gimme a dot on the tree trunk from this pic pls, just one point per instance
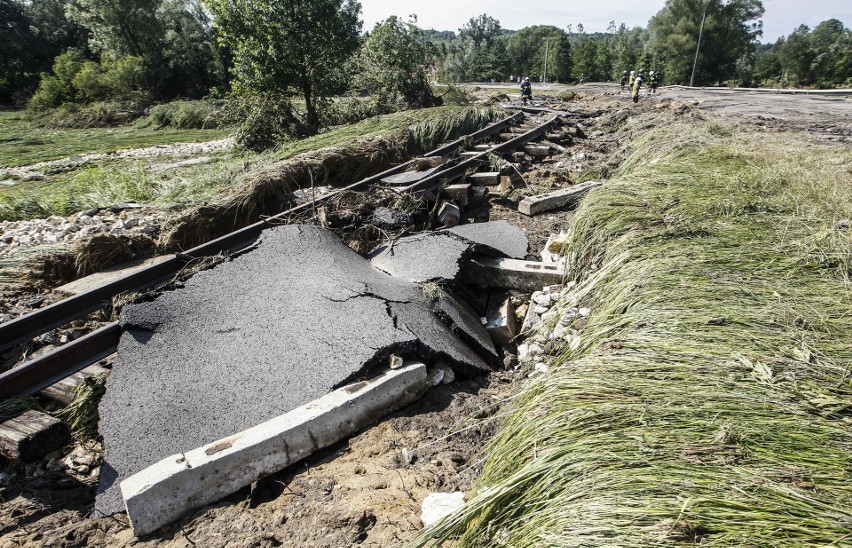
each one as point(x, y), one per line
point(313, 118)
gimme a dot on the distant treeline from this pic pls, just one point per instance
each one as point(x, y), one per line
point(730, 51)
point(55, 52)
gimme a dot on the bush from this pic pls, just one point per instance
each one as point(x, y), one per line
point(185, 115)
point(78, 80)
point(98, 114)
point(50, 93)
point(348, 110)
point(263, 121)
point(126, 77)
point(89, 83)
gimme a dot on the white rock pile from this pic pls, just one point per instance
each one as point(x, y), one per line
point(15, 235)
point(545, 322)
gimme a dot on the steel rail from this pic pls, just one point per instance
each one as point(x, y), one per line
point(35, 375)
point(38, 374)
point(67, 310)
point(433, 181)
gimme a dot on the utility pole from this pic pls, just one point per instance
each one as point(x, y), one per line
point(698, 47)
point(546, 54)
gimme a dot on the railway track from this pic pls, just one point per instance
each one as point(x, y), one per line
point(37, 374)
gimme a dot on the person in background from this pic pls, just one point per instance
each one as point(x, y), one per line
point(624, 78)
point(526, 89)
point(637, 85)
point(652, 82)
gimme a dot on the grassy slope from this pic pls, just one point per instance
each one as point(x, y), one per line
point(112, 181)
point(708, 398)
point(22, 144)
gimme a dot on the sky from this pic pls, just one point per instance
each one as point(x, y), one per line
point(780, 19)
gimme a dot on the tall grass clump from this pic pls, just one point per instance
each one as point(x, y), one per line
point(708, 399)
point(184, 115)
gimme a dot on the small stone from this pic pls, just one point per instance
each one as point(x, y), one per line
point(540, 310)
point(510, 361)
point(585, 311)
point(395, 362)
point(541, 299)
point(523, 350)
point(449, 374)
point(440, 505)
point(844, 224)
point(408, 456)
point(542, 367)
point(131, 223)
point(568, 317)
point(435, 376)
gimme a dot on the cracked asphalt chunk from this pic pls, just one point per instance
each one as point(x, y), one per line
point(499, 236)
point(439, 256)
point(255, 337)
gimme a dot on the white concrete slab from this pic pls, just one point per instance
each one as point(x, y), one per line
point(534, 205)
point(179, 484)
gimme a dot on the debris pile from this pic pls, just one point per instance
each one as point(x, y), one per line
point(270, 330)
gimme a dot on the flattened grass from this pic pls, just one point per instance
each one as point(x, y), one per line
point(22, 144)
point(709, 397)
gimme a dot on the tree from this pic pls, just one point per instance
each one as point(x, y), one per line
point(527, 49)
point(283, 45)
point(19, 49)
point(730, 30)
point(389, 66)
point(481, 53)
point(191, 60)
point(125, 27)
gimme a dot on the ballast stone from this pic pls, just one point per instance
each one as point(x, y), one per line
point(437, 506)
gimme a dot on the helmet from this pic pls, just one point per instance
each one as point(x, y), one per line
point(526, 78)
point(632, 72)
point(652, 73)
point(625, 72)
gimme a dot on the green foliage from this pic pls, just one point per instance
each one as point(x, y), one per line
point(279, 46)
point(184, 115)
point(821, 57)
point(263, 121)
point(729, 32)
point(479, 53)
point(527, 49)
point(389, 67)
point(79, 80)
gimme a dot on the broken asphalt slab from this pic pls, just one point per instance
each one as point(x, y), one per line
point(500, 236)
point(255, 337)
point(440, 255)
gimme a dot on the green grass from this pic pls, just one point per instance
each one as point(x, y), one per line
point(110, 182)
point(23, 144)
point(708, 399)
